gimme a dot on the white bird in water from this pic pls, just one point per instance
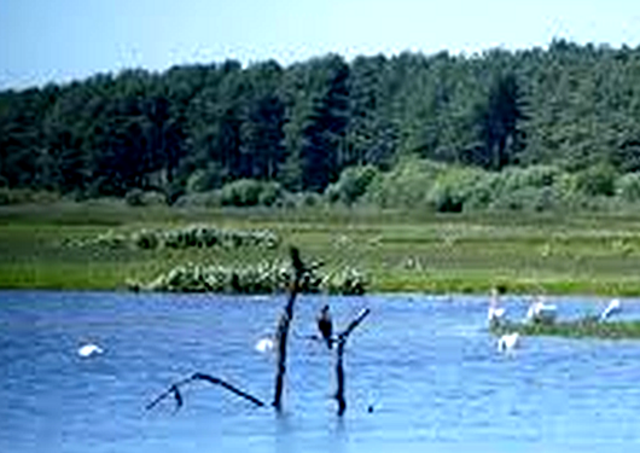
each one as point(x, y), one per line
point(539, 311)
point(613, 307)
point(89, 350)
point(265, 344)
point(495, 313)
point(508, 342)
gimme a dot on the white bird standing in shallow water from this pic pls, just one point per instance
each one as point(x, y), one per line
point(613, 307)
point(539, 311)
point(495, 313)
point(89, 350)
point(508, 342)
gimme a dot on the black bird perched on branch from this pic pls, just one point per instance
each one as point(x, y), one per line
point(325, 325)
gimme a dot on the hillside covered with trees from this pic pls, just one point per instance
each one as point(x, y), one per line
point(450, 131)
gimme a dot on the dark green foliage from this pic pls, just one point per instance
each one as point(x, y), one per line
point(146, 239)
point(134, 197)
point(199, 128)
point(498, 119)
point(628, 187)
point(352, 185)
point(597, 180)
point(249, 192)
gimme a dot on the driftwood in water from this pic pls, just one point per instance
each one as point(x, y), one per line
point(342, 341)
point(174, 390)
point(283, 327)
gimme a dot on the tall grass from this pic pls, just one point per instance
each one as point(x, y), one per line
point(398, 250)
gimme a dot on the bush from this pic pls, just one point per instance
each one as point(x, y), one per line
point(527, 199)
point(597, 180)
point(453, 188)
point(352, 184)
point(406, 185)
point(207, 179)
point(309, 199)
point(145, 239)
point(134, 197)
point(261, 278)
point(536, 176)
point(628, 187)
point(249, 192)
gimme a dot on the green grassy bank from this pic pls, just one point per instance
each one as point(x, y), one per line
point(399, 251)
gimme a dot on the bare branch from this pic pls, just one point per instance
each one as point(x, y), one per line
point(174, 390)
point(353, 324)
point(342, 341)
point(236, 390)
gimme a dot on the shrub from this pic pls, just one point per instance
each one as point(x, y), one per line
point(249, 192)
point(145, 239)
point(348, 282)
point(206, 179)
point(134, 197)
point(453, 188)
point(309, 199)
point(597, 180)
point(260, 278)
point(352, 184)
point(406, 185)
point(269, 194)
point(527, 199)
point(536, 176)
point(628, 187)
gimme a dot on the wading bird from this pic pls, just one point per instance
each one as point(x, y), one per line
point(539, 311)
point(508, 342)
point(613, 307)
point(495, 313)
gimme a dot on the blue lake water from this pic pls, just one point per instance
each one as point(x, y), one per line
point(426, 365)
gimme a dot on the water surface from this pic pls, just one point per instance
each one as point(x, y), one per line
point(425, 365)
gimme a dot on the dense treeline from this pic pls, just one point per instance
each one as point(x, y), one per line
point(221, 127)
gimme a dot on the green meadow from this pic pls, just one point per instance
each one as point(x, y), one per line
point(399, 251)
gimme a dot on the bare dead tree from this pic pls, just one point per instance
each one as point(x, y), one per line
point(284, 323)
point(281, 341)
point(282, 334)
point(342, 341)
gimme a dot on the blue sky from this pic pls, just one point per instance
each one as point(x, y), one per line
point(61, 40)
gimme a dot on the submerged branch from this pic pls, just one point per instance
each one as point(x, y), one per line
point(174, 390)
